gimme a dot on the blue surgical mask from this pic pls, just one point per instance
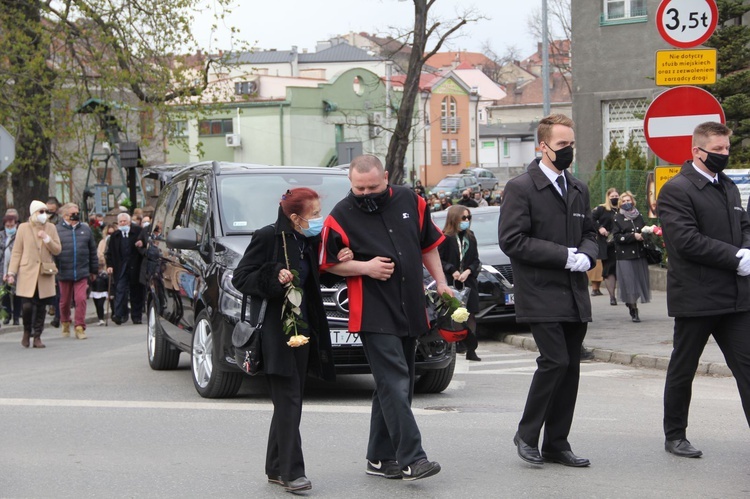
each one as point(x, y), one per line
point(10, 230)
point(464, 225)
point(315, 225)
point(124, 228)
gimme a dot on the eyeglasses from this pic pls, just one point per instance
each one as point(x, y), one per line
point(42, 212)
point(466, 217)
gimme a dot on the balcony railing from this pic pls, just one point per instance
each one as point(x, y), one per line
point(450, 124)
point(453, 158)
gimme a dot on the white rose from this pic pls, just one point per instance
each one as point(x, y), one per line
point(297, 340)
point(460, 315)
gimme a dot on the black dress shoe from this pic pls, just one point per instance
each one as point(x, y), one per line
point(137, 321)
point(566, 458)
point(276, 480)
point(55, 322)
point(116, 320)
point(472, 355)
point(298, 484)
point(682, 448)
point(613, 301)
point(526, 452)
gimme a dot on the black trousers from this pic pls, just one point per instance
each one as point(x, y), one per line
point(284, 453)
point(554, 387)
point(732, 334)
point(33, 312)
point(394, 434)
point(126, 287)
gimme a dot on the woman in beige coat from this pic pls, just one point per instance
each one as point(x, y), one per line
point(36, 243)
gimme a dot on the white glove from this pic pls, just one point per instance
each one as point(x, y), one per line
point(571, 258)
point(743, 268)
point(582, 264)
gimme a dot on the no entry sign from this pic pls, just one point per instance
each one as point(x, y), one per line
point(686, 23)
point(672, 117)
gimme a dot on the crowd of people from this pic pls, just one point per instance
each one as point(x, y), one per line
point(380, 236)
point(53, 262)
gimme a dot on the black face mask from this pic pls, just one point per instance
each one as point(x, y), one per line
point(563, 157)
point(75, 217)
point(465, 196)
point(371, 203)
point(714, 161)
point(614, 201)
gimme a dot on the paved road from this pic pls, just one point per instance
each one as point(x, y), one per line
point(90, 419)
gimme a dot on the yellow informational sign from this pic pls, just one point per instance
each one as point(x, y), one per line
point(685, 67)
point(656, 179)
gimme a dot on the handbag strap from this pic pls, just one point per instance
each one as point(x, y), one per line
point(262, 314)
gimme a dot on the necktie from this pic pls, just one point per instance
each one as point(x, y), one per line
point(561, 182)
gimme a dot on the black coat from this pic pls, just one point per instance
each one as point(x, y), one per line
point(536, 229)
point(118, 261)
point(257, 275)
point(77, 259)
point(603, 217)
point(703, 230)
point(450, 257)
point(627, 247)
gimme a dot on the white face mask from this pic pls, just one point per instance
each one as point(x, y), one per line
point(41, 218)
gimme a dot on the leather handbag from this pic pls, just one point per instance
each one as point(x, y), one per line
point(48, 268)
point(246, 340)
point(652, 252)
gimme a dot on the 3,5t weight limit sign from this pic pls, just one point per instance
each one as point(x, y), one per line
point(686, 23)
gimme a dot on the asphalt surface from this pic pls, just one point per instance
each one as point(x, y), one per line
point(612, 336)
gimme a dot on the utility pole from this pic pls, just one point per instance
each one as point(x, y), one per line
point(545, 60)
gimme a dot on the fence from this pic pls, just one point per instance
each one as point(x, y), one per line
point(639, 182)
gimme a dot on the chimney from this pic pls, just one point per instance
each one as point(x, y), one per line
point(295, 61)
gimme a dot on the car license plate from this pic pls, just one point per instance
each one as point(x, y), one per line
point(344, 337)
point(510, 299)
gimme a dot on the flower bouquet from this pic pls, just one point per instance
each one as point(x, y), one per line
point(448, 314)
point(291, 313)
point(653, 244)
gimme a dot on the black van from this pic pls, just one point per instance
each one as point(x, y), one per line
point(204, 219)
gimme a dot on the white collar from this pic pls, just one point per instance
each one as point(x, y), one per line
point(709, 177)
point(551, 174)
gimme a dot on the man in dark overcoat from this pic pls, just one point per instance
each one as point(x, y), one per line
point(547, 231)
point(707, 233)
point(124, 264)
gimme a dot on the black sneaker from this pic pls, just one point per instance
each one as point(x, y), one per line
point(386, 469)
point(420, 469)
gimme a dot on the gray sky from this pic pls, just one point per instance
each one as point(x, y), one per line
point(280, 24)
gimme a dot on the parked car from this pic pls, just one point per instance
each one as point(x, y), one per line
point(486, 178)
point(453, 185)
point(203, 221)
point(495, 280)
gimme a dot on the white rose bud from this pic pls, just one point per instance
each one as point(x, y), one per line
point(460, 315)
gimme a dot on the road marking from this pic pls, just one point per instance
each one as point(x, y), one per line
point(192, 406)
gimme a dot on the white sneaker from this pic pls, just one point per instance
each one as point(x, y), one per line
point(101, 323)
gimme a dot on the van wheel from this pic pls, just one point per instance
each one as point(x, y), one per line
point(437, 380)
point(162, 356)
point(210, 382)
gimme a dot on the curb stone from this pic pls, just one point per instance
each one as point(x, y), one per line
point(628, 359)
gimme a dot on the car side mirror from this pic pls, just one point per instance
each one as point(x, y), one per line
point(183, 238)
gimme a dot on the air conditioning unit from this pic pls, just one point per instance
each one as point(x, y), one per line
point(233, 140)
point(376, 118)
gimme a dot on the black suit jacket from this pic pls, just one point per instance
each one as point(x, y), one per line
point(703, 230)
point(118, 261)
point(536, 229)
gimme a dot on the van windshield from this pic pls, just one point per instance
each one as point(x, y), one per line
point(249, 202)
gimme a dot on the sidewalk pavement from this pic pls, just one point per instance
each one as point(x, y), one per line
point(613, 337)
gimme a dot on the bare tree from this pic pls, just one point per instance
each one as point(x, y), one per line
point(498, 71)
point(425, 29)
point(558, 31)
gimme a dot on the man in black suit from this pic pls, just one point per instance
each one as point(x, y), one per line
point(547, 231)
point(707, 233)
point(123, 264)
